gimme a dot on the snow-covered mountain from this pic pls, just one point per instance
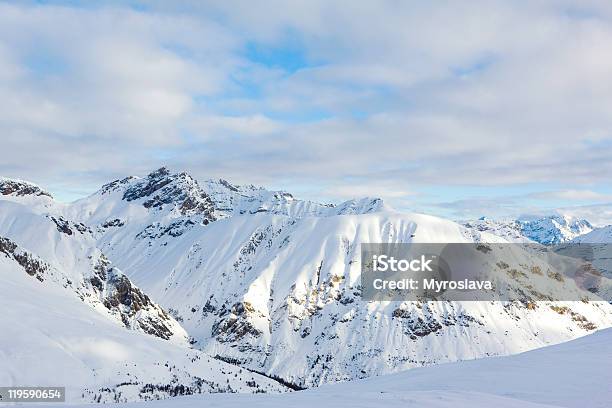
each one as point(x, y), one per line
point(509, 230)
point(62, 253)
point(70, 317)
point(563, 232)
point(20, 188)
point(240, 200)
point(172, 196)
point(49, 337)
point(554, 229)
point(601, 235)
point(272, 283)
point(548, 230)
point(599, 243)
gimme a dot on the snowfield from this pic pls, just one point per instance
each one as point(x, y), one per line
point(575, 374)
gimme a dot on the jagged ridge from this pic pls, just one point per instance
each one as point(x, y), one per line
point(19, 188)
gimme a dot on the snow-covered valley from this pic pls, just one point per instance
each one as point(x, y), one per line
point(575, 374)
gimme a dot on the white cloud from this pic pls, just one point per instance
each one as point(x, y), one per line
point(118, 75)
point(215, 126)
point(573, 195)
point(404, 95)
point(599, 215)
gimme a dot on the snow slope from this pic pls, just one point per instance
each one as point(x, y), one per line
point(601, 235)
point(66, 255)
point(599, 241)
point(574, 374)
point(69, 317)
point(51, 339)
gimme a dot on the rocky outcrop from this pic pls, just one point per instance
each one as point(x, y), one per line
point(235, 324)
point(116, 184)
point(19, 188)
point(180, 191)
point(66, 227)
point(103, 284)
point(32, 265)
point(128, 303)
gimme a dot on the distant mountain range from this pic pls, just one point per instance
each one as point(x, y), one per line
point(547, 230)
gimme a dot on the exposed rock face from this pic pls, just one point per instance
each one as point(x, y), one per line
point(153, 182)
point(174, 229)
point(116, 185)
point(103, 285)
point(121, 297)
point(66, 227)
point(129, 304)
point(32, 265)
point(236, 324)
point(161, 188)
point(113, 223)
point(20, 188)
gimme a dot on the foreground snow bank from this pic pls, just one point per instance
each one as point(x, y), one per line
point(574, 374)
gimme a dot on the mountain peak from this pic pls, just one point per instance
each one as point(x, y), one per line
point(20, 188)
point(161, 188)
point(555, 228)
point(161, 172)
point(180, 194)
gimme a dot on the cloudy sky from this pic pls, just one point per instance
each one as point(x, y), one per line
point(452, 108)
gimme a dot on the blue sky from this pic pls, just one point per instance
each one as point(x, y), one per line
point(461, 110)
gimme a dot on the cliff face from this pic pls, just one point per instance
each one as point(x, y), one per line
point(64, 253)
point(18, 188)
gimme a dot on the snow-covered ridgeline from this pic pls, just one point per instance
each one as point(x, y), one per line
point(270, 282)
